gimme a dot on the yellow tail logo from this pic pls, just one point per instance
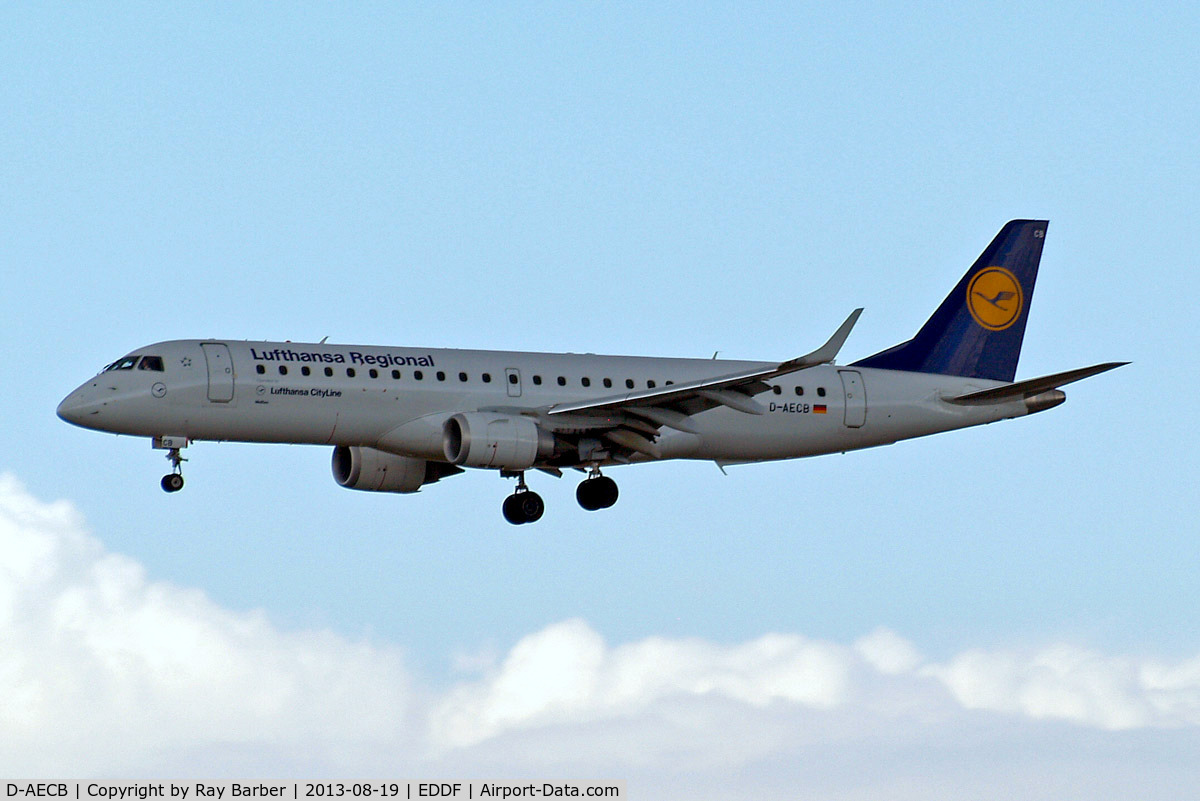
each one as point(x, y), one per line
point(994, 298)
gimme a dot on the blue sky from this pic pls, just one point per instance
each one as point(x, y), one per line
point(611, 178)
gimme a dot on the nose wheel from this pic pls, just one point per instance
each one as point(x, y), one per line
point(524, 505)
point(596, 491)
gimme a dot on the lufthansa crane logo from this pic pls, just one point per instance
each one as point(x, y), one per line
point(994, 298)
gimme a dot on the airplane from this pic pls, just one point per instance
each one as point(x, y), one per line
point(402, 418)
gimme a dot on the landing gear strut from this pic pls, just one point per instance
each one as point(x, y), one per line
point(173, 481)
point(524, 505)
point(596, 491)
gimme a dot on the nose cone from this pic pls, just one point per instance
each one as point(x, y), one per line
point(80, 409)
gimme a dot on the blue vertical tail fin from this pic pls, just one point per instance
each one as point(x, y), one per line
point(978, 329)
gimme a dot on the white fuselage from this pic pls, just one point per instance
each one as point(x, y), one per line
point(397, 400)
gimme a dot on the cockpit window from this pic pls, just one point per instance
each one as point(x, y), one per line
point(154, 363)
point(122, 364)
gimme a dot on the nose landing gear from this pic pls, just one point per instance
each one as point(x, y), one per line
point(524, 505)
point(173, 481)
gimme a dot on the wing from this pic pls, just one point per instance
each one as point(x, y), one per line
point(631, 420)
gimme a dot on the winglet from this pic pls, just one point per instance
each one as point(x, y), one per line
point(827, 352)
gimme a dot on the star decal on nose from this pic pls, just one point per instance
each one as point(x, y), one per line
point(186, 361)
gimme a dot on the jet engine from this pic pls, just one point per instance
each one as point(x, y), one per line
point(360, 468)
point(484, 439)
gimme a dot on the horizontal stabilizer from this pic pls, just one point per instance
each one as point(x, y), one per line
point(1032, 386)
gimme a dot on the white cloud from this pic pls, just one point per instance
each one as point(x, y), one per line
point(103, 670)
point(101, 667)
point(888, 652)
point(1076, 684)
point(566, 672)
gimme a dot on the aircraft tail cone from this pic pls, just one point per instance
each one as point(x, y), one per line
point(1045, 400)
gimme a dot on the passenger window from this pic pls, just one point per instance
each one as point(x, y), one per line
point(587, 382)
point(350, 372)
point(487, 378)
point(328, 372)
point(462, 376)
point(283, 369)
point(441, 376)
point(417, 374)
point(821, 391)
point(608, 383)
point(629, 383)
point(396, 375)
point(154, 363)
point(304, 370)
point(562, 382)
point(537, 379)
point(799, 390)
point(512, 378)
point(374, 373)
point(651, 384)
point(258, 368)
point(778, 390)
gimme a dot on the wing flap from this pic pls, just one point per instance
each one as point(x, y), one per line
point(665, 417)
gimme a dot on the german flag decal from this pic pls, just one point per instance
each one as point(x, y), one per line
point(819, 409)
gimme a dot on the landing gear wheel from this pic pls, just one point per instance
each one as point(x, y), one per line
point(172, 482)
point(596, 493)
point(607, 490)
point(587, 496)
point(512, 511)
point(523, 507)
point(532, 506)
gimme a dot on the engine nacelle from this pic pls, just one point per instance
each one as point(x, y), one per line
point(375, 471)
point(485, 439)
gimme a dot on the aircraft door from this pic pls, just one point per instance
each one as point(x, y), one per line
point(512, 379)
point(856, 398)
point(220, 371)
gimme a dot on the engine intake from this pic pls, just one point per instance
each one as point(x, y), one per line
point(484, 439)
point(360, 468)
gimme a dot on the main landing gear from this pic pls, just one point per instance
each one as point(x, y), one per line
point(173, 481)
point(524, 505)
point(596, 491)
